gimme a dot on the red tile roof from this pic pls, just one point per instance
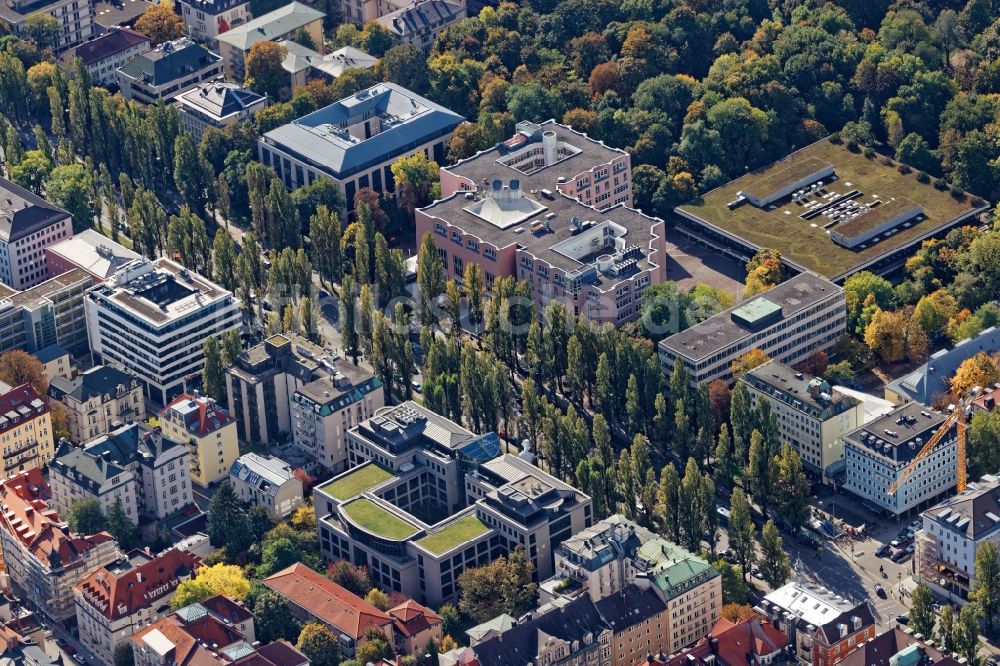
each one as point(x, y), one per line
point(25, 514)
point(325, 600)
point(731, 642)
point(209, 417)
point(410, 618)
point(149, 584)
point(16, 407)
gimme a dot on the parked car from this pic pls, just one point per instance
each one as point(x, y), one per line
point(417, 386)
point(879, 590)
point(882, 551)
point(755, 572)
point(723, 514)
point(899, 556)
point(903, 619)
point(936, 607)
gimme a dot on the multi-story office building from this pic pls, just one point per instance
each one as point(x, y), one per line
point(268, 482)
point(166, 70)
point(311, 597)
point(90, 251)
point(209, 433)
point(51, 313)
point(97, 399)
point(160, 466)
point(876, 455)
point(799, 317)
point(152, 318)
point(28, 224)
point(283, 23)
point(41, 557)
point(117, 600)
point(75, 475)
point(217, 104)
point(419, 24)
point(952, 530)
point(406, 514)
point(550, 206)
point(354, 141)
point(812, 416)
point(324, 410)
point(262, 383)
point(823, 626)
point(205, 20)
point(75, 17)
point(105, 54)
point(25, 430)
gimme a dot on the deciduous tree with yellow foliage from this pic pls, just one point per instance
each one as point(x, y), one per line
point(981, 370)
point(227, 579)
point(160, 23)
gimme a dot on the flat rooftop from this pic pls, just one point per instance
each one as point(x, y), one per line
point(373, 518)
point(357, 481)
point(95, 252)
point(159, 291)
point(453, 534)
point(41, 294)
point(899, 435)
point(794, 295)
point(805, 242)
point(805, 393)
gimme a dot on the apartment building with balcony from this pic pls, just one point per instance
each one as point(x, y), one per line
point(324, 410)
point(951, 532)
point(50, 313)
point(25, 430)
point(76, 475)
point(790, 322)
point(208, 432)
point(159, 465)
point(42, 559)
point(812, 416)
point(119, 599)
point(262, 380)
point(426, 498)
point(97, 400)
point(151, 319)
point(420, 22)
point(876, 455)
point(217, 104)
point(822, 626)
point(550, 206)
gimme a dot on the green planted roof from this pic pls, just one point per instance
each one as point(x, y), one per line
point(454, 534)
point(373, 518)
point(354, 483)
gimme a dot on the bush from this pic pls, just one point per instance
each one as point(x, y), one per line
point(886, 161)
point(923, 177)
point(977, 201)
point(868, 152)
point(903, 169)
point(956, 193)
point(852, 146)
point(835, 139)
point(941, 183)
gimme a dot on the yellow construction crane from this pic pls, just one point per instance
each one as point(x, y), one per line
point(957, 419)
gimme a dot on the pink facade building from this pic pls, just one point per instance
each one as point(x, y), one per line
point(550, 206)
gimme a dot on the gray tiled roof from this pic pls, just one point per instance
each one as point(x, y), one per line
point(272, 25)
point(421, 17)
point(169, 61)
point(219, 99)
point(98, 380)
point(85, 468)
point(23, 213)
point(408, 120)
point(931, 379)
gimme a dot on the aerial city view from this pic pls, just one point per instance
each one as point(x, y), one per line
point(500, 332)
